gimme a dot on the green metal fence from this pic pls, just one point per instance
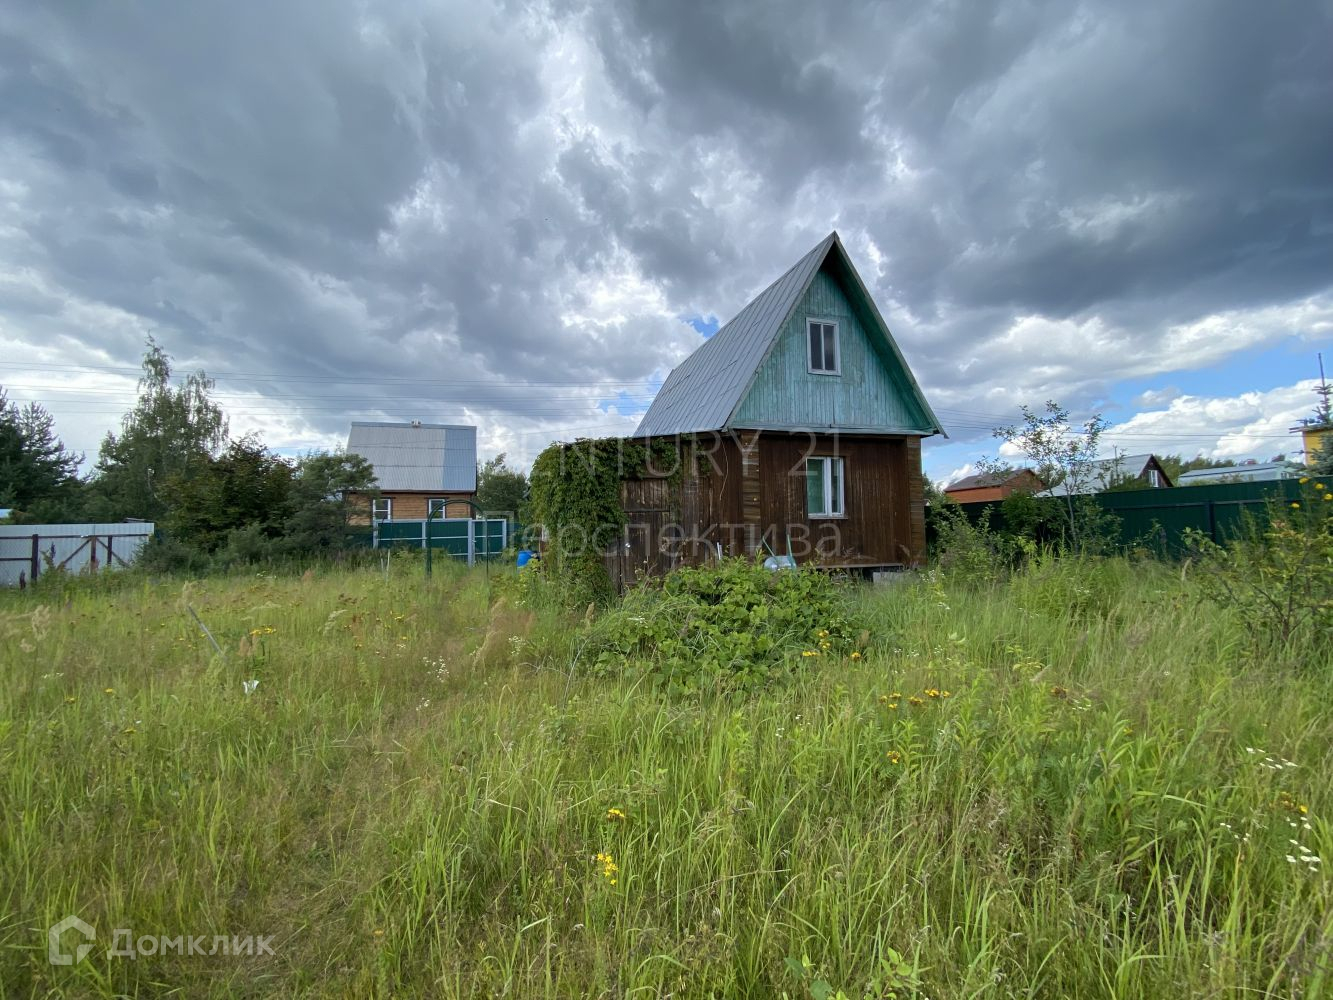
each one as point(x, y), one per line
point(463, 538)
point(1157, 518)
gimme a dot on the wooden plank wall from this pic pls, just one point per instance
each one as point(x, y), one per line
point(916, 502)
point(735, 491)
point(878, 527)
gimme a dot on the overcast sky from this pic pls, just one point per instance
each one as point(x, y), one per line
point(523, 215)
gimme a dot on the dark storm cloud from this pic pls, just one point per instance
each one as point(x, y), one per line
point(532, 193)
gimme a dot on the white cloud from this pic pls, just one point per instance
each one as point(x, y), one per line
point(963, 471)
point(1252, 425)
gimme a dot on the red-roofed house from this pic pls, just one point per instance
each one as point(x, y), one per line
point(994, 486)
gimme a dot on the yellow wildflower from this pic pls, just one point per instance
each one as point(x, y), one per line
point(822, 633)
point(1295, 506)
point(894, 757)
point(856, 655)
point(809, 652)
point(932, 692)
point(615, 815)
point(945, 694)
point(914, 700)
point(1303, 480)
point(109, 691)
point(608, 865)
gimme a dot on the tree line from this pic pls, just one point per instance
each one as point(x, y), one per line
point(172, 462)
point(216, 499)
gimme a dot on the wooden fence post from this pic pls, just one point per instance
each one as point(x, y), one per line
point(36, 556)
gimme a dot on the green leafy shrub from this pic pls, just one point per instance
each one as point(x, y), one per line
point(575, 495)
point(972, 551)
point(1277, 575)
point(733, 625)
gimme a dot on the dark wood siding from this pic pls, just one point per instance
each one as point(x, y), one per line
point(877, 526)
point(741, 490)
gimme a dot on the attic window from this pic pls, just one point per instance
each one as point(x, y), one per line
point(823, 340)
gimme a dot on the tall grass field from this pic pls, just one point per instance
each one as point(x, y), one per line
point(1080, 781)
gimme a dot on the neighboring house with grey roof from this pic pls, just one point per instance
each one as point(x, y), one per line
point(1119, 472)
point(1251, 472)
point(798, 419)
point(421, 469)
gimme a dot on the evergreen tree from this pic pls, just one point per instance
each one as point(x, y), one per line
point(38, 475)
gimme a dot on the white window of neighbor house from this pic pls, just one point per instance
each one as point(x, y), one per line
point(1154, 480)
point(822, 335)
point(824, 487)
point(382, 509)
point(437, 507)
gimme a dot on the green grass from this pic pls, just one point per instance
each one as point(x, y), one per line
point(411, 800)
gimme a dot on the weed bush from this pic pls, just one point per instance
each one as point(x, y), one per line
point(734, 625)
point(1277, 576)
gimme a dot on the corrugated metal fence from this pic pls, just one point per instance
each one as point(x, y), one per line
point(28, 550)
point(1157, 519)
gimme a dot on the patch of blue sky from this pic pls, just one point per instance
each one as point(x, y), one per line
point(627, 404)
point(705, 325)
point(1257, 370)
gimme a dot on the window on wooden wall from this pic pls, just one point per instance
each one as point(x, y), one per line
point(824, 478)
point(823, 339)
point(382, 509)
point(437, 507)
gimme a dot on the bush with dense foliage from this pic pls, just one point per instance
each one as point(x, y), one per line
point(574, 493)
point(1277, 576)
point(733, 625)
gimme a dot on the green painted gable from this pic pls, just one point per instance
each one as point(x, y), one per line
point(873, 394)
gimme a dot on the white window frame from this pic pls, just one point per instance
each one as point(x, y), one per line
point(437, 503)
point(1154, 479)
point(810, 323)
point(829, 509)
point(387, 503)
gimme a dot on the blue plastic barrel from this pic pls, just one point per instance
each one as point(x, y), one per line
point(525, 556)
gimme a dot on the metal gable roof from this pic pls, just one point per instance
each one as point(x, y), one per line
point(1103, 473)
point(418, 457)
point(705, 390)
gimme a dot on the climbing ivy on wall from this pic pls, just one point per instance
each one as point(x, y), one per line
point(575, 493)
